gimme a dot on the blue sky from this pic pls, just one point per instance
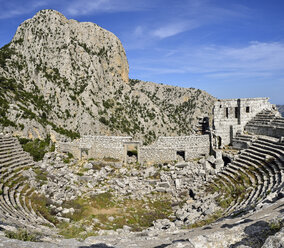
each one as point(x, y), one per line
point(230, 48)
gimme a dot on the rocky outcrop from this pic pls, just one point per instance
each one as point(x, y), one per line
point(60, 76)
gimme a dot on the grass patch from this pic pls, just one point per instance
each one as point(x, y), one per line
point(41, 204)
point(103, 200)
point(138, 214)
point(22, 234)
point(41, 175)
point(70, 231)
point(109, 159)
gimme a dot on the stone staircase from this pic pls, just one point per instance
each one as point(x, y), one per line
point(256, 172)
point(15, 206)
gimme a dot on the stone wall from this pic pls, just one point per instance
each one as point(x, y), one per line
point(153, 155)
point(96, 147)
point(107, 146)
point(231, 115)
point(165, 148)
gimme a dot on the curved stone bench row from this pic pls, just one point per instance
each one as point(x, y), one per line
point(15, 206)
point(259, 169)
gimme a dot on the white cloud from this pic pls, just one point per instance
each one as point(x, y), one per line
point(257, 59)
point(174, 29)
point(85, 7)
point(11, 9)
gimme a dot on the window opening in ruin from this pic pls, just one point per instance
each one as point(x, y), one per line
point(247, 109)
point(219, 142)
point(132, 153)
point(227, 112)
point(220, 106)
point(236, 112)
point(181, 154)
point(205, 125)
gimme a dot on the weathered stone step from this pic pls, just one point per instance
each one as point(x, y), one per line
point(250, 161)
point(10, 154)
point(252, 177)
point(13, 211)
point(14, 199)
point(16, 160)
point(271, 140)
point(258, 174)
point(267, 150)
point(267, 176)
point(17, 195)
point(17, 165)
point(5, 152)
point(4, 146)
point(253, 159)
point(271, 166)
point(10, 160)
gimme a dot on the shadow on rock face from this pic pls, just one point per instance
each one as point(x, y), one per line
point(97, 246)
point(177, 243)
point(236, 224)
point(256, 233)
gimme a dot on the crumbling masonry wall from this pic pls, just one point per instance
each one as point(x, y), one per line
point(108, 147)
point(96, 147)
point(231, 116)
point(165, 148)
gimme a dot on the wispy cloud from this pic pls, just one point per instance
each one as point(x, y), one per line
point(182, 17)
point(257, 59)
point(12, 9)
point(85, 7)
point(172, 29)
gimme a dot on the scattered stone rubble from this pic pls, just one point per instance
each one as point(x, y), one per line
point(182, 181)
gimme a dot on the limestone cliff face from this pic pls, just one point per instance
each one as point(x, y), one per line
point(76, 49)
point(58, 75)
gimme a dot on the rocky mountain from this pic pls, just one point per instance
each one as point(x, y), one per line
point(281, 109)
point(63, 77)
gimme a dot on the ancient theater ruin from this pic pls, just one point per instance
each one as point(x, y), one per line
point(232, 117)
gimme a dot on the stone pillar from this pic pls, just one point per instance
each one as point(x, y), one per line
point(219, 163)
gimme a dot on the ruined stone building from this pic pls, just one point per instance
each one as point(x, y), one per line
point(231, 117)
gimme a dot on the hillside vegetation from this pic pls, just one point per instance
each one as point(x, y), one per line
point(65, 78)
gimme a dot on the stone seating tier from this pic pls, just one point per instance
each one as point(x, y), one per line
point(14, 206)
point(260, 168)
